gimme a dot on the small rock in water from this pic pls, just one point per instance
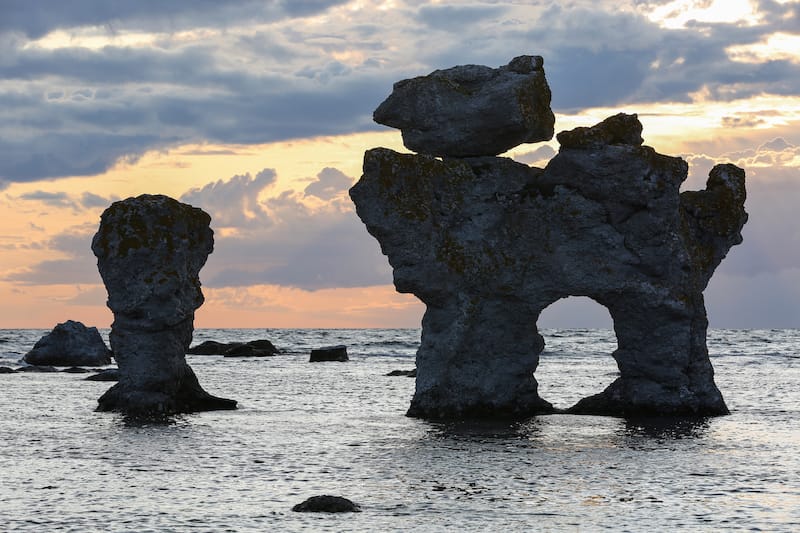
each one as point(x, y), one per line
point(329, 353)
point(6, 370)
point(407, 373)
point(327, 504)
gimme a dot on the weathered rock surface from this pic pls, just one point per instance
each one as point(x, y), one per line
point(329, 353)
point(70, 344)
point(327, 504)
point(472, 110)
point(149, 251)
point(488, 243)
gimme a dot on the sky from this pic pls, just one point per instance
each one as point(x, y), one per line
point(259, 112)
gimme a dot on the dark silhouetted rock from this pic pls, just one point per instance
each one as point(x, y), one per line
point(150, 250)
point(248, 350)
point(488, 243)
point(406, 373)
point(327, 504)
point(212, 348)
point(70, 344)
point(6, 370)
point(256, 348)
point(329, 353)
point(471, 110)
point(109, 374)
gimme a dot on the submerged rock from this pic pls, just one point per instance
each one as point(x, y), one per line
point(488, 243)
point(70, 344)
point(472, 110)
point(327, 504)
point(149, 251)
point(329, 353)
point(406, 373)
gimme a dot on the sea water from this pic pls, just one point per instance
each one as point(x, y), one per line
point(305, 429)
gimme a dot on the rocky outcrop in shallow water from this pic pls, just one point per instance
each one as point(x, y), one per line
point(487, 243)
point(70, 343)
point(150, 250)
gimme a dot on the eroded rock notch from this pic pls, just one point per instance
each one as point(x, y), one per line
point(487, 243)
point(150, 250)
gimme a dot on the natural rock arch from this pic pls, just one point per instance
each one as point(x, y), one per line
point(487, 243)
point(577, 361)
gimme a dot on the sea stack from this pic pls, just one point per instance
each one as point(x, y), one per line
point(150, 250)
point(487, 243)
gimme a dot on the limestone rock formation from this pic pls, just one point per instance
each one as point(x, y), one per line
point(70, 343)
point(472, 110)
point(487, 243)
point(149, 251)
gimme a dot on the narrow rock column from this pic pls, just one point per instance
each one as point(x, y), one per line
point(149, 251)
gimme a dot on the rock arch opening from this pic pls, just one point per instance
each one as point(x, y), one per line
point(579, 341)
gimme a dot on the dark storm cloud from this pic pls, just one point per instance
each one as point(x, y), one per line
point(73, 111)
point(456, 18)
point(37, 18)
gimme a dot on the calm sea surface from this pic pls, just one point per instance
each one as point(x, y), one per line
point(304, 429)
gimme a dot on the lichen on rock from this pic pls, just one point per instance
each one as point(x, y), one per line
point(150, 250)
point(487, 243)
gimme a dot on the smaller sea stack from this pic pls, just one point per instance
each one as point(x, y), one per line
point(149, 251)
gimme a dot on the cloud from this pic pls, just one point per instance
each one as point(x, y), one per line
point(55, 199)
point(330, 183)
point(276, 238)
point(541, 154)
point(76, 266)
point(234, 203)
point(118, 82)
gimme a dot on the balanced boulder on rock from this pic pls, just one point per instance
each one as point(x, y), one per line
point(150, 250)
point(472, 110)
point(70, 344)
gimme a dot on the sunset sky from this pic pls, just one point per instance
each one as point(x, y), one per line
point(260, 111)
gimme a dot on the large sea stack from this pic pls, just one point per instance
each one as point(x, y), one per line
point(149, 251)
point(487, 243)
